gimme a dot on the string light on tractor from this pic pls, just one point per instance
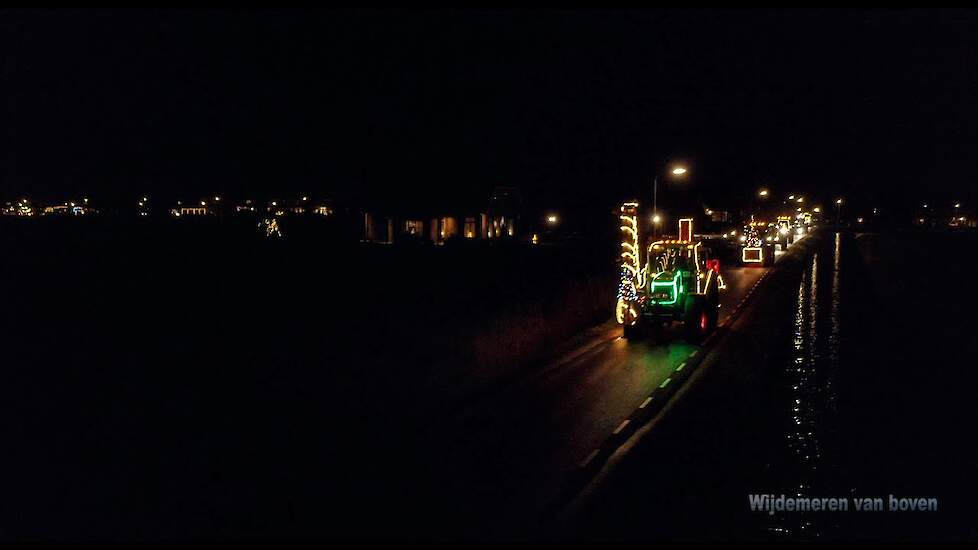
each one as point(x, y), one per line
point(631, 274)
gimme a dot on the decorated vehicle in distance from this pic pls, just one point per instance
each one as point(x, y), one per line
point(678, 281)
point(756, 245)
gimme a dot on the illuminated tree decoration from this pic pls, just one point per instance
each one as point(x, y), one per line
point(752, 236)
point(270, 225)
point(632, 274)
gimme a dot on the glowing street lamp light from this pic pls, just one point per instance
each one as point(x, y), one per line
point(676, 171)
point(838, 211)
point(656, 219)
point(552, 219)
point(762, 193)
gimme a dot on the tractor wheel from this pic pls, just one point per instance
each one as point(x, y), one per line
point(700, 321)
point(635, 331)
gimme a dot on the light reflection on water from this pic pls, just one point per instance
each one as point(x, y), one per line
point(809, 377)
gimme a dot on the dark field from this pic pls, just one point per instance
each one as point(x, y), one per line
point(178, 381)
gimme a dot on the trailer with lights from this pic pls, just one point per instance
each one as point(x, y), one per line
point(678, 281)
point(756, 245)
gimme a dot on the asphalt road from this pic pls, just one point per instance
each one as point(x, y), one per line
point(511, 450)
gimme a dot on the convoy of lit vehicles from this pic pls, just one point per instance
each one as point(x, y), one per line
point(760, 240)
point(679, 279)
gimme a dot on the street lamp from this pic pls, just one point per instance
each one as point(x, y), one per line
point(761, 195)
point(838, 211)
point(552, 219)
point(676, 171)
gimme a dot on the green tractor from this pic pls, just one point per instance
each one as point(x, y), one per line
point(679, 281)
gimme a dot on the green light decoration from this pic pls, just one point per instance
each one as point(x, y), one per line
point(675, 284)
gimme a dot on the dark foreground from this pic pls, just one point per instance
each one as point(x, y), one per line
point(851, 375)
point(197, 386)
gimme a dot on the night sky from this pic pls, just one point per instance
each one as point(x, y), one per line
point(431, 109)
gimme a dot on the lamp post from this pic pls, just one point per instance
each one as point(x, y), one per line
point(838, 211)
point(676, 171)
point(761, 195)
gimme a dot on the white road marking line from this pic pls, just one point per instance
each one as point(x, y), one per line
point(621, 427)
point(646, 402)
point(680, 367)
point(665, 383)
point(589, 458)
point(695, 351)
